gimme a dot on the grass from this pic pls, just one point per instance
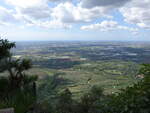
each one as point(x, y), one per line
point(110, 75)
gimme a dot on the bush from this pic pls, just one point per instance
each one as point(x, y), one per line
point(134, 99)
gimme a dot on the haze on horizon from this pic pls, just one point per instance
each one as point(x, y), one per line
point(123, 20)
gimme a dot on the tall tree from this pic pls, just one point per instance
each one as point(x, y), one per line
point(5, 53)
point(15, 67)
point(5, 47)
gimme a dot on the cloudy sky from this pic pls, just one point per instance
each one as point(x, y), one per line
point(75, 19)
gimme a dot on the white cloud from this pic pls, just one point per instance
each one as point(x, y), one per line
point(109, 26)
point(50, 24)
point(144, 25)
point(103, 26)
point(36, 9)
point(33, 12)
point(59, 0)
point(26, 3)
point(64, 14)
point(6, 16)
point(134, 31)
point(39, 13)
point(69, 13)
point(137, 12)
point(102, 3)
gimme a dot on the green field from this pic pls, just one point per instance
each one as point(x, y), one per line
point(110, 75)
point(79, 66)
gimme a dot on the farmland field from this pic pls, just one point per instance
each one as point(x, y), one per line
point(81, 65)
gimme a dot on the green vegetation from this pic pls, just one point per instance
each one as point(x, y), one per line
point(16, 89)
point(75, 77)
point(112, 76)
point(133, 99)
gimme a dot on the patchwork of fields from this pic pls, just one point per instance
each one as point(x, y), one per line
point(81, 65)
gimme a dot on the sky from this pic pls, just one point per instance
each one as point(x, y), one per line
point(119, 20)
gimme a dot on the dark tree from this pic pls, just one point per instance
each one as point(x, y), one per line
point(15, 67)
point(64, 104)
point(5, 53)
point(5, 47)
point(136, 98)
point(90, 101)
